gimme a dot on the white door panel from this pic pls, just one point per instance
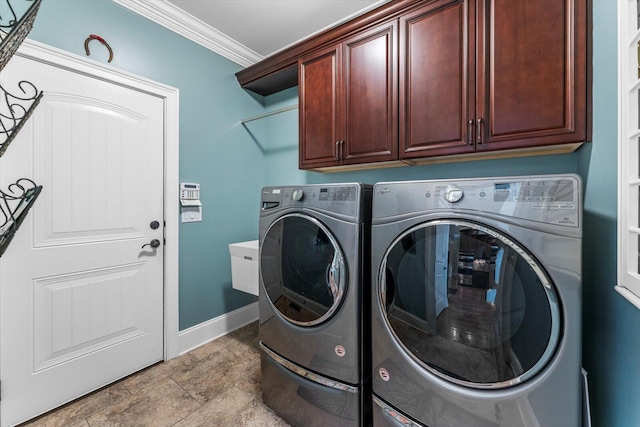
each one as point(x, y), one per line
point(81, 302)
point(86, 204)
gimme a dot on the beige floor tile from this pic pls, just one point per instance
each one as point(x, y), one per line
point(222, 410)
point(75, 412)
point(247, 336)
point(56, 423)
point(212, 375)
point(164, 404)
point(211, 347)
point(258, 415)
point(147, 377)
point(233, 407)
point(251, 383)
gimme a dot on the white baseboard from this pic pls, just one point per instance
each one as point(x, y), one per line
point(208, 331)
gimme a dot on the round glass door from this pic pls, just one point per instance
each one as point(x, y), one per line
point(302, 269)
point(469, 304)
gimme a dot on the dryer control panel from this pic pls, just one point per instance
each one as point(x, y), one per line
point(549, 199)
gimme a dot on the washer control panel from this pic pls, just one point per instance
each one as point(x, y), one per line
point(338, 198)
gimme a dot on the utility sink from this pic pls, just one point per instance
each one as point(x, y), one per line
point(244, 266)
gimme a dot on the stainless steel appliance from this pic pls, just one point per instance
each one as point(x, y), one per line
point(476, 307)
point(314, 324)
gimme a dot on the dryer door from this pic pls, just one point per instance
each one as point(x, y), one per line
point(469, 304)
point(302, 269)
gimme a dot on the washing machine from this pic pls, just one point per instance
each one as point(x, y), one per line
point(314, 323)
point(476, 306)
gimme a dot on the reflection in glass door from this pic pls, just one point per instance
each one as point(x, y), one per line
point(469, 304)
point(303, 269)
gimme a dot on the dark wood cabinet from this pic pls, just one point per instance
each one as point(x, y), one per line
point(321, 123)
point(425, 81)
point(437, 63)
point(533, 78)
point(349, 101)
point(493, 75)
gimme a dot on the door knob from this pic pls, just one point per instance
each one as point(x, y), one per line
point(154, 244)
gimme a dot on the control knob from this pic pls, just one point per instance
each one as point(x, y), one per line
point(453, 194)
point(297, 195)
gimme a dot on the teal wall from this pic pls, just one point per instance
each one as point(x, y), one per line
point(233, 162)
point(215, 149)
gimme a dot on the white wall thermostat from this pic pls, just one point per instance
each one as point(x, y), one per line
point(190, 202)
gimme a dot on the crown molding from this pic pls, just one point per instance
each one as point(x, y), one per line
point(175, 19)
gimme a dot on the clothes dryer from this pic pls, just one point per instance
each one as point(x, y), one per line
point(314, 326)
point(476, 307)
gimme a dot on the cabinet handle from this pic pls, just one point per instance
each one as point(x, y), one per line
point(479, 131)
point(339, 150)
point(470, 132)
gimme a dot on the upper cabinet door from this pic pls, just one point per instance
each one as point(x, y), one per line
point(532, 87)
point(437, 76)
point(349, 101)
point(320, 109)
point(371, 96)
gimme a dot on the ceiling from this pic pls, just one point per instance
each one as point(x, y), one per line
point(267, 26)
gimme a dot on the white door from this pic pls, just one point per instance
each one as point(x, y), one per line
point(81, 302)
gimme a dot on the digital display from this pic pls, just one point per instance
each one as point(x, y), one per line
point(338, 194)
point(534, 191)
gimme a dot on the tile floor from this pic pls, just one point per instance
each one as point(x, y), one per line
point(217, 384)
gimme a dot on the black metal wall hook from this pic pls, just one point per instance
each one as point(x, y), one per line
point(101, 40)
point(14, 206)
point(13, 30)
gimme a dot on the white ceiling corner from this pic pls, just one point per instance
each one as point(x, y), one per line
point(246, 31)
point(175, 19)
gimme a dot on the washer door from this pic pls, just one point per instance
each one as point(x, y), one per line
point(469, 304)
point(303, 269)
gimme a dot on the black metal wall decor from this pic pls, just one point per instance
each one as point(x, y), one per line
point(14, 205)
point(13, 30)
point(15, 110)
